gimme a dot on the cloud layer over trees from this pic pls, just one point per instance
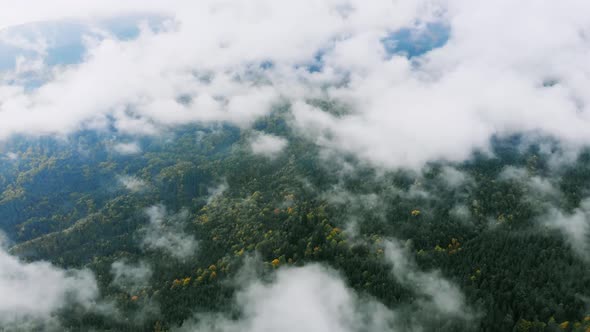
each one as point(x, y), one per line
point(231, 62)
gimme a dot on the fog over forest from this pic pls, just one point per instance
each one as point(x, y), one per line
point(336, 165)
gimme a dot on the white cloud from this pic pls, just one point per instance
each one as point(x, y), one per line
point(537, 187)
point(546, 197)
point(437, 295)
point(134, 278)
point(132, 183)
point(25, 11)
point(130, 277)
point(310, 298)
point(11, 156)
point(315, 298)
point(528, 74)
point(513, 173)
point(358, 206)
point(166, 233)
point(127, 148)
point(484, 81)
point(461, 212)
point(217, 191)
point(574, 226)
point(268, 145)
point(453, 177)
point(32, 293)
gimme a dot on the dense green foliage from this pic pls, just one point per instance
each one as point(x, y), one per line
point(62, 201)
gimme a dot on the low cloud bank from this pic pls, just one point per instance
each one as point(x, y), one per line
point(33, 293)
point(267, 145)
point(166, 233)
point(315, 298)
point(402, 110)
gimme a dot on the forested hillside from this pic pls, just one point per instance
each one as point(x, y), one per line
point(174, 233)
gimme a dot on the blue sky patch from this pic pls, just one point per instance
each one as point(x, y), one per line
point(416, 41)
point(65, 39)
